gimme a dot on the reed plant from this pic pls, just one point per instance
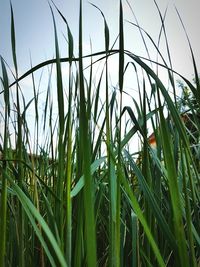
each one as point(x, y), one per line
point(89, 195)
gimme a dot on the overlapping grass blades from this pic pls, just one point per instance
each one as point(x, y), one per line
point(84, 197)
point(3, 207)
point(85, 143)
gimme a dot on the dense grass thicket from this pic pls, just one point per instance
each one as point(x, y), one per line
point(86, 195)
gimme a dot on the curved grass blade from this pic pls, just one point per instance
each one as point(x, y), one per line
point(33, 214)
point(133, 201)
point(152, 202)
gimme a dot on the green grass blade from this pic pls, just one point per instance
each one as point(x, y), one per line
point(4, 169)
point(174, 192)
point(121, 48)
point(61, 148)
point(139, 213)
point(152, 202)
point(134, 233)
point(32, 211)
point(90, 236)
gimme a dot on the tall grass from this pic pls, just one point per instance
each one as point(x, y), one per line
point(85, 197)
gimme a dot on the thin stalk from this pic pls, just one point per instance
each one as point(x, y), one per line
point(19, 144)
point(119, 165)
point(68, 177)
point(61, 149)
point(187, 208)
point(3, 204)
point(173, 189)
point(88, 192)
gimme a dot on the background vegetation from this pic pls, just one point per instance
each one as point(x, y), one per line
point(88, 196)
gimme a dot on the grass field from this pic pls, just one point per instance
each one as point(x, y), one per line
point(89, 195)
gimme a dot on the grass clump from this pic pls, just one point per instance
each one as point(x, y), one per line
point(86, 196)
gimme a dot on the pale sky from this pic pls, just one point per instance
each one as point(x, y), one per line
point(34, 28)
point(35, 33)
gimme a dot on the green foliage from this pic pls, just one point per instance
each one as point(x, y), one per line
point(84, 197)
